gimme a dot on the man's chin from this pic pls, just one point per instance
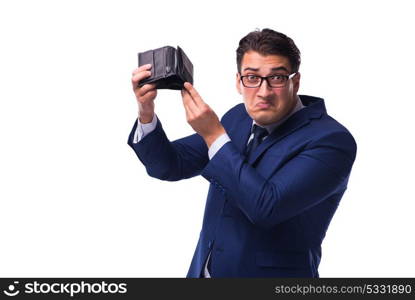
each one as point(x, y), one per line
point(264, 117)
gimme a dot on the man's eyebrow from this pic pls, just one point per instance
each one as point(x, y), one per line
point(280, 68)
point(251, 69)
point(273, 69)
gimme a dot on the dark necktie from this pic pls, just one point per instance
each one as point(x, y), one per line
point(259, 134)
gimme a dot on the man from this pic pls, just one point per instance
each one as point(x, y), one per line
point(278, 165)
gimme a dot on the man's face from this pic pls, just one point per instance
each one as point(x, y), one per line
point(265, 104)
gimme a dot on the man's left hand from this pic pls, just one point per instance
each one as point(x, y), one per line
point(200, 116)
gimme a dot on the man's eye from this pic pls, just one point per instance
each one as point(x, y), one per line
point(277, 78)
point(252, 78)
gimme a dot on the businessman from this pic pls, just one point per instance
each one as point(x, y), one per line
point(277, 164)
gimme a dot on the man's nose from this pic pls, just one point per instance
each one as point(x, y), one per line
point(264, 89)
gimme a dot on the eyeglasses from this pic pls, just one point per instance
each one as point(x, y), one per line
point(274, 81)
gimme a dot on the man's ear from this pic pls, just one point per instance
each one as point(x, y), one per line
point(296, 82)
point(238, 83)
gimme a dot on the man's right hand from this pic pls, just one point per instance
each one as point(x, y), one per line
point(145, 95)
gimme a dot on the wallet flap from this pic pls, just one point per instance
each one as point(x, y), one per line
point(185, 65)
point(159, 67)
point(145, 58)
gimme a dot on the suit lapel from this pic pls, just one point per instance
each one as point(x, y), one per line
point(241, 133)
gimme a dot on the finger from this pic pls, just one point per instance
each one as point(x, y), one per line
point(149, 96)
point(190, 101)
point(187, 111)
point(195, 95)
point(141, 68)
point(186, 108)
point(138, 77)
point(135, 71)
point(189, 105)
point(145, 89)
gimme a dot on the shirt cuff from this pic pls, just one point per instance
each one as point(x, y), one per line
point(217, 144)
point(144, 129)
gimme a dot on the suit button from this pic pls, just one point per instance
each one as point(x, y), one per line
point(210, 244)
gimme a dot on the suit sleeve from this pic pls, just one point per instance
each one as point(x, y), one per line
point(171, 161)
point(312, 176)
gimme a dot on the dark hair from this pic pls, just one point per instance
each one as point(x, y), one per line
point(269, 42)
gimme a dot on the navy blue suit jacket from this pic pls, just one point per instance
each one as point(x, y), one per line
point(265, 217)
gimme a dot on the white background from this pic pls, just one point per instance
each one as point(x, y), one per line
point(76, 201)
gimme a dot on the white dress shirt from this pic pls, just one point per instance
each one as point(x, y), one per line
point(144, 129)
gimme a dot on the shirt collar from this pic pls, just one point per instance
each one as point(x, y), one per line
point(271, 127)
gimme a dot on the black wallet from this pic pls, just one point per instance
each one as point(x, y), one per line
point(170, 69)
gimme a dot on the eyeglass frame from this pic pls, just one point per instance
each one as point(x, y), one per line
point(266, 79)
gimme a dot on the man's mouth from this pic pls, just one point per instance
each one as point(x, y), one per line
point(263, 105)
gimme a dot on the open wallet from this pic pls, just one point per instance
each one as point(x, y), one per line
point(170, 69)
